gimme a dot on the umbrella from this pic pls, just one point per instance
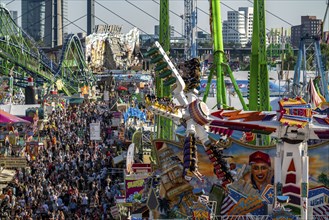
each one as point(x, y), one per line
point(6, 118)
point(122, 88)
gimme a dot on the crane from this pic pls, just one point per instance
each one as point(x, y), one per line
point(190, 28)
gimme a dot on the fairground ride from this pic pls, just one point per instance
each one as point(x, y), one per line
point(293, 125)
point(20, 53)
point(310, 79)
point(258, 78)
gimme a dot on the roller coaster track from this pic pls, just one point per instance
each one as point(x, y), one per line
point(20, 52)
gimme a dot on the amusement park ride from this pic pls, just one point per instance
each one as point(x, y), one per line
point(293, 125)
point(19, 51)
point(177, 100)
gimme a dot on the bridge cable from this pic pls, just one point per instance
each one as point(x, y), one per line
point(223, 23)
point(100, 19)
point(10, 2)
point(28, 11)
point(182, 19)
point(70, 22)
point(150, 15)
point(278, 17)
point(122, 18)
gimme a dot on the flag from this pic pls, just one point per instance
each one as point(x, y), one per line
point(228, 203)
point(321, 211)
point(315, 98)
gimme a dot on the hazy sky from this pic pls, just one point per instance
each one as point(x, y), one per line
point(128, 13)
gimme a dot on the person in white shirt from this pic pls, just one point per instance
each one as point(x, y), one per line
point(84, 200)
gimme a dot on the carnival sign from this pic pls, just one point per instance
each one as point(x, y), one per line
point(95, 132)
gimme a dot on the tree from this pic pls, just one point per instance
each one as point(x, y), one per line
point(323, 178)
point(164, 207)
point(290, 61)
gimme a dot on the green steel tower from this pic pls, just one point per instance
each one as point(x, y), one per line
point(164, 126)
point(259, 99)
point(216, 31)
point(219, 65)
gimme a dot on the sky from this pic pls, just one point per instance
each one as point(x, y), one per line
point(144, 14)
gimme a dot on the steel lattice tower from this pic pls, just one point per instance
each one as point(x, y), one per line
point(190, 28)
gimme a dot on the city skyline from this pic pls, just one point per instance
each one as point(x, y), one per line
point(124, 12)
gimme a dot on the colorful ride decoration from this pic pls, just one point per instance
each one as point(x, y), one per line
point(292, 126)
point(295, 112)
point(192, 112)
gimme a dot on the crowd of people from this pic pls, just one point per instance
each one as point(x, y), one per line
point(70, 176)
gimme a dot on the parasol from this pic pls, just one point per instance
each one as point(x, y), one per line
point(122, 88)
point(6, 118)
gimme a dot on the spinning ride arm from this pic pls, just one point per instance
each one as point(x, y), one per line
point(191, 112)
point(167, 72)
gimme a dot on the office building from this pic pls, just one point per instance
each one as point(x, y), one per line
point(33, 18)
point(310, 26)
point(248, 20)
point(236, 27)
point(45, 20)
point(55, 22)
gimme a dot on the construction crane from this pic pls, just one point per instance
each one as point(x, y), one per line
point(190, 28)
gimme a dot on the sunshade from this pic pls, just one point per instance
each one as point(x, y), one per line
point(6, 118)
point(121, 88)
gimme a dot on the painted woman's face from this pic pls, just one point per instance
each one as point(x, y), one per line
point(259, 171)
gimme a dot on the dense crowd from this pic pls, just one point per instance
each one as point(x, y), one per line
point(71, 177)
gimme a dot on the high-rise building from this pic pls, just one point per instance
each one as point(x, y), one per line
point(56, 13)
point(236, 27)
point(90, 16)
point(14, 16)
point(45, 20)
point(310, 26)
point(248, 20)
point(33, 18)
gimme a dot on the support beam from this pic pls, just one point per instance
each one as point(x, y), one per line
point(90, 16)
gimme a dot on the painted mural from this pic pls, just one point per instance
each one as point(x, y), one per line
point(252, 168)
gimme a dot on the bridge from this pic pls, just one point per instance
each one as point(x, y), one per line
point(20, 53)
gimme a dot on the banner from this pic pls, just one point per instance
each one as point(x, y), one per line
point(134, 187)
point(13, 162)
point(130, 158)
point(32, 148)
point(95, 132)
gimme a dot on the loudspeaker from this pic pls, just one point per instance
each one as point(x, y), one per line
point(30, 95)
